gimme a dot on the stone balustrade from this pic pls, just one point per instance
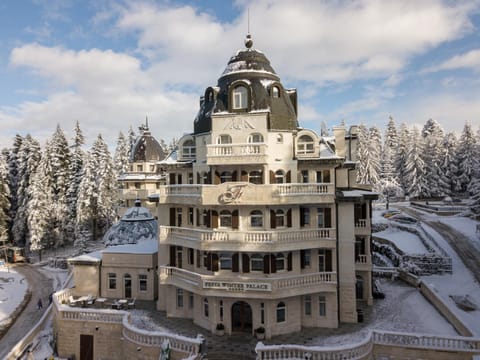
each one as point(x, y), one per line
point(272, 283)
point(177, 343)
point(366, 348)
point(237, 153)
point(246, 193)
point(206, 237)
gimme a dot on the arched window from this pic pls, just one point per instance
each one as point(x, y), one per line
point(256, 218)
point(255, 177)
point(275, 92)
point(305, 145)
point(280, 218)
point(281, 312)
point(188, 149)
point(240, 98)
point(224, 139)
point(225, 218)
point(210, 96)
point(255, 138)
point(279, 177)
point(256, 262)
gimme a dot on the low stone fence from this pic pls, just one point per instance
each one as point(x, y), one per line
point(384, 342)
point(114, 336)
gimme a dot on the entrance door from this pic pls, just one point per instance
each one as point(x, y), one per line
point(241, 317)
point(127, 285)
point(86, 347)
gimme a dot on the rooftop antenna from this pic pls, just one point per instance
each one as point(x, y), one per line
point(248, 39)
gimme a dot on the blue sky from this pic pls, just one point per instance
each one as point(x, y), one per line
point(108, 64)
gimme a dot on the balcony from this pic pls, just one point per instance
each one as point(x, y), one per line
point(362, 227)
point(363, 262)
point(228, 154)
point(132, 194)
point(252, 286)
point(233, 240)
point(247, 194)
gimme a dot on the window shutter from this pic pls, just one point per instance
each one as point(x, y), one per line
point(235, 219)
point(289, 218)
point(209, 261)
point(172, 178)
point(272, 219)
point(199, 258)
point(326, 176)
point(198, 217)
point(266, 264)
point(289, 261)
point(214, 262)
point(273, 264)
point(289, 176)
point(328, 217)
point(302, 216)
point(214, 219)
point(302, 259)
point(234, 176)
point(198, 178)
point(217, 178)
point(244, 176)
point(235, 262)
point(172, 256)
point(245, 263)
point(172, 216)
point(272, 177)
point(328, 260)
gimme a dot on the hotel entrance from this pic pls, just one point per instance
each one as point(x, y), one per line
point(241, 317)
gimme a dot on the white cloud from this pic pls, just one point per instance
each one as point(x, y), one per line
point(469, 60)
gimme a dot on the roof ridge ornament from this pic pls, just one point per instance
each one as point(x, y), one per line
point(248, 41)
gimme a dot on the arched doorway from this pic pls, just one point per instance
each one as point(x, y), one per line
point(359, 288)
point(241, 317)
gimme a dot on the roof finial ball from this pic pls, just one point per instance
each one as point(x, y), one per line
point(248, 41)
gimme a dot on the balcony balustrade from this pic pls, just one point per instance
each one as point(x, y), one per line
point(211, 239)
point(247, 193)
point(252, 286)
point(251, 153)
point(132, 194)
point(362, 227)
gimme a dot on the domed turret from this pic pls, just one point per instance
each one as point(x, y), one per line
point(146, 147)
point(135, 225)
point(250, 70)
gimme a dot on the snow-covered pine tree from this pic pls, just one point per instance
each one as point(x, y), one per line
point(60, 159)
point(41, 205)
point(76, 168)
point(4, 198)
point(474, 187)
point(28, 158)
point(97, 194)
point(432, 136)
point(374, 154)
point(362, 155)
point(107, 185)
point(415, 167)
point(121, 157)
point(401, 155)
point(12, 163)
point(388, 185)
point(466, 158)
point(132, 137)
point(448, 167)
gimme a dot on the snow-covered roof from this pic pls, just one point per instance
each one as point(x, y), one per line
point(142, 247)
point(352, 194)
point(92, 257)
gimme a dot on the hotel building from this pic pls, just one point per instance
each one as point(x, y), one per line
point(262, 225)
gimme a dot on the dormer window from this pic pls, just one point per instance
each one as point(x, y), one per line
point(305, 145)
point(210, 96)
point(188, 149)
point(240, 98)
point(275, 92)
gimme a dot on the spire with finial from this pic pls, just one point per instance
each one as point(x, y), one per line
point(248, 39)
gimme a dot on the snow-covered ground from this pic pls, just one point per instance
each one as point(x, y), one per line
point(13, 288)
point(407, 242)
